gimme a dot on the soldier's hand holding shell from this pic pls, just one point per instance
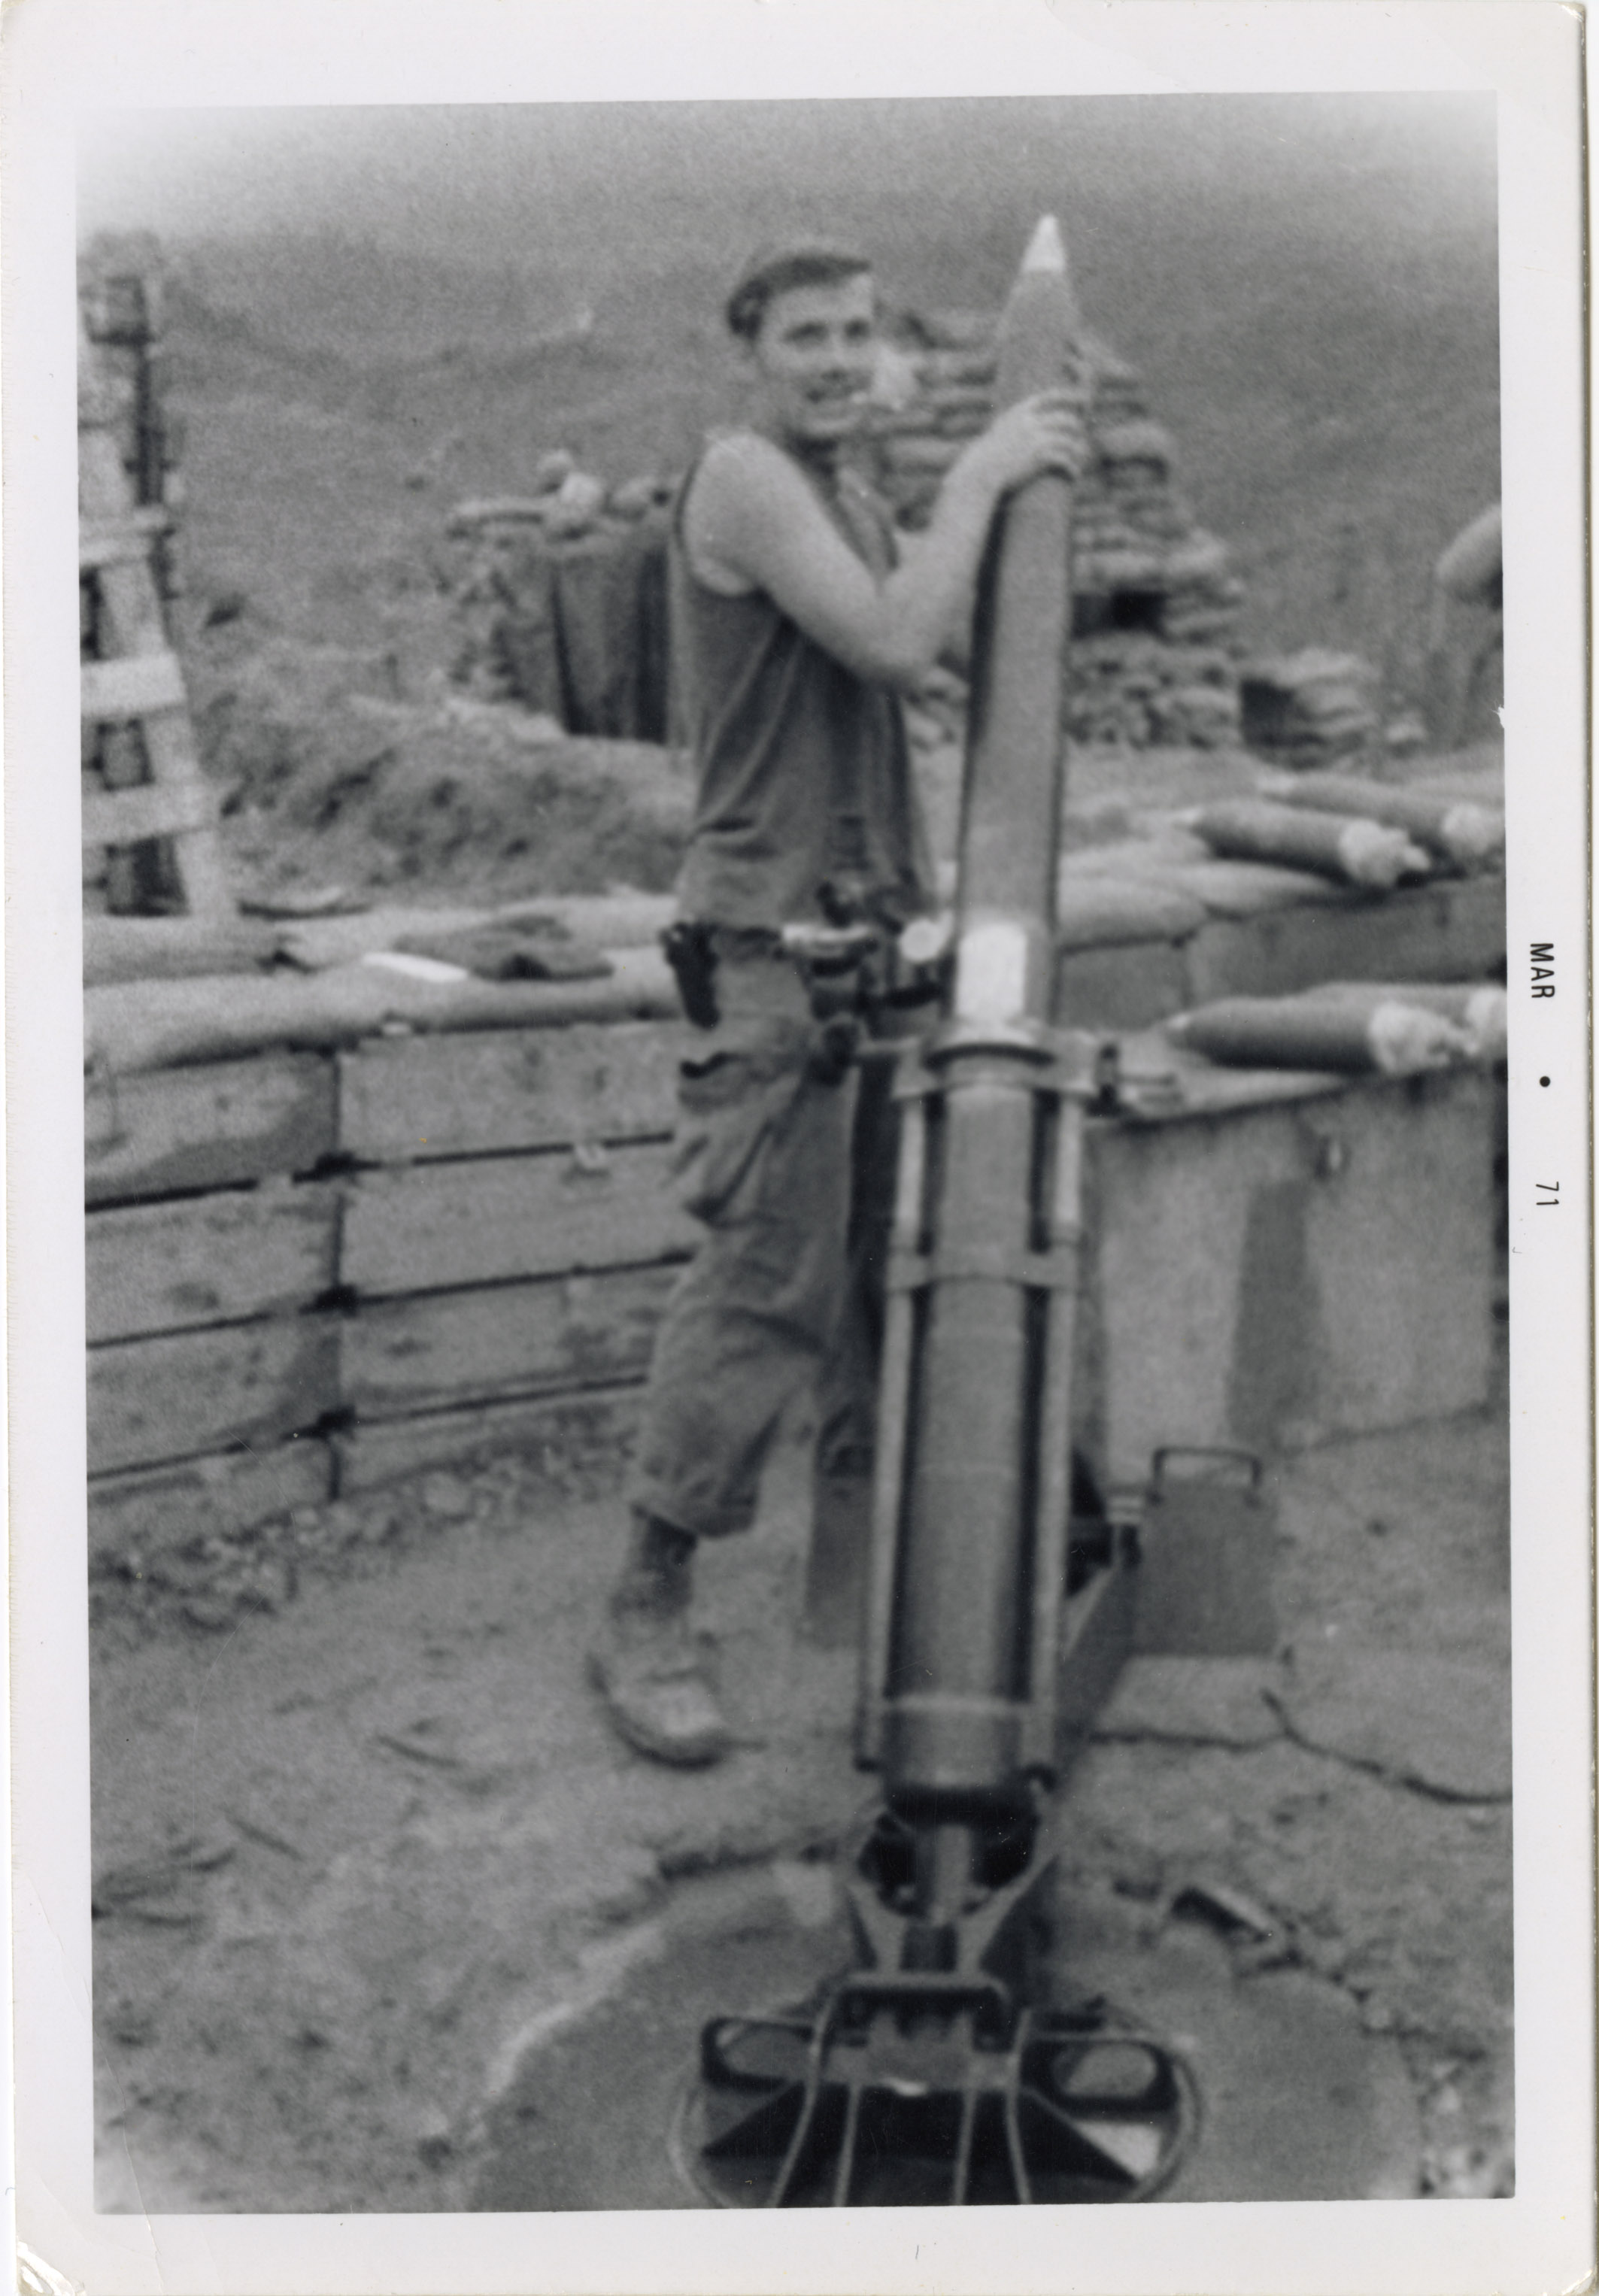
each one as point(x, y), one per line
point(1044, 432)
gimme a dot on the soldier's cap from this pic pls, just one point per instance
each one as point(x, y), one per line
point(809, 261)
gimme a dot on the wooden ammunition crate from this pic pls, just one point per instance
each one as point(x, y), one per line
point(318, 1271)
point(308, 1269)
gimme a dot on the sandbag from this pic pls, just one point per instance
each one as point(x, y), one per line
point(574, 624)
point(152, 949)
point(1252, 889)
point(637, 632)
point(603, 921)
point(508, 950)
point(523, 642)
point(583, 635)
point(158, 1024)
point(1159, 854)
point(1099, 911)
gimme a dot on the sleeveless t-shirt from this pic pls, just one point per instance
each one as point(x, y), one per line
point(804, 769)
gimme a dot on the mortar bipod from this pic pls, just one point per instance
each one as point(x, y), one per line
point(903, 2087)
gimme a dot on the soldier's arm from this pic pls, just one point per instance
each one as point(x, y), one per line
point(956, 650)
point(753, 521)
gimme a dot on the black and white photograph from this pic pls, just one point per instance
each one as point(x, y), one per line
point(834, 1163)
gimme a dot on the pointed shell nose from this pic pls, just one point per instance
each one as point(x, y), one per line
point(1046, 250)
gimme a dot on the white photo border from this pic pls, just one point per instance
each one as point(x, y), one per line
point(63, 58)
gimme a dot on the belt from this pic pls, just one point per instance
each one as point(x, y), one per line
point(743, 944)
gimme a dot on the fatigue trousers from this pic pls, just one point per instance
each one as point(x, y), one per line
point(790, 1168)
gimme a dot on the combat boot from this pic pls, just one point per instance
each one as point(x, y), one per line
point(651, 1670)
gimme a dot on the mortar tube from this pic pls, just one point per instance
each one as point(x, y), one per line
point(958, 1676)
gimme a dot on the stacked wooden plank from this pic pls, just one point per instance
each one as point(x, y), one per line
point(472, 1253)
point(149, 830)
point(212, 1254)
point(511, 1233)
point(281, 1248)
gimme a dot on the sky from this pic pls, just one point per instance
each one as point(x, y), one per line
point(512, 183)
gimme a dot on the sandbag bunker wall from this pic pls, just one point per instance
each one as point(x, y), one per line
point(1157, 608)
point(314, 1273)
point(566, 615)
point(560, 597)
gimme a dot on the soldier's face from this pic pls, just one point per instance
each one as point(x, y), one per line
point(813, 361)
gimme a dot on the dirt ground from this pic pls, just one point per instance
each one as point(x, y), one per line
point(385, 1913)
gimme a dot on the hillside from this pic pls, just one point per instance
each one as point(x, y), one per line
point(1308, 284)
point(1336, 452)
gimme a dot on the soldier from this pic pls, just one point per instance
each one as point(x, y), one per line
point(1465, 667)
point(799, 618)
